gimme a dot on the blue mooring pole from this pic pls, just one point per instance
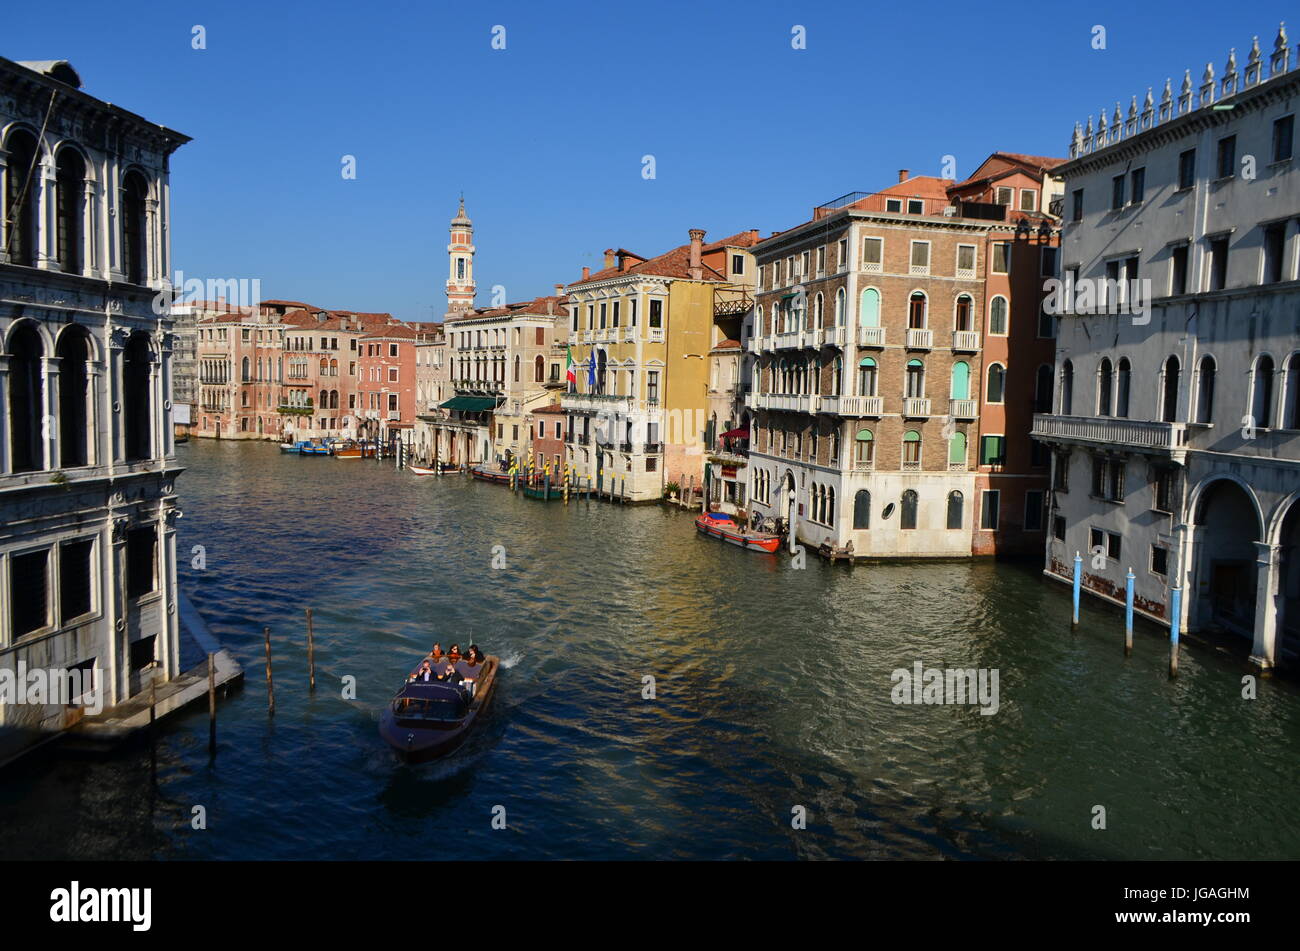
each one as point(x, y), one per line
point(1175, 622)
point(1128, 612)
point(1078, 586)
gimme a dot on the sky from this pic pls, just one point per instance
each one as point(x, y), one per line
point(547, 137)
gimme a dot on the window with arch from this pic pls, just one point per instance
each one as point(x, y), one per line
point(539, 369)
point(21, 192)
point(957, 450)
point(1261, 392)
point(869, 311)
point(837, 375)
point(1043, 389)
point(517, 368)
point(835, 448)
point(839, 307)
point(1291, 420)
point(959, 381)
point(74, 353)
point(907, 511)
point(246, 370)
point(1067, 388)
point(819, 310)
point(998, 316)
point(914, 380)
point(1123, 387)
point(861, 509)
point(136, 402)
point(1205, 390)
point(26, 399)
point(70, 199)
point(1169, 390)
point(955, 505)
point(996, 390)
point(1105, 385)
point(965, 313)
point(911, 449)
point(134, 245)
point(864, 449)
point(916, 311)
point(830, 505)
point(867, 377)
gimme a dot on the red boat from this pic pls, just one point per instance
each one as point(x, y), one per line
point(483, 473)
point(720, 525)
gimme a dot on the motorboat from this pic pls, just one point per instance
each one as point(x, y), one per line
point(427, 720)
point(722, 526)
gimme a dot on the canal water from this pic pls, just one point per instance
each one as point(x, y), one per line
point(772, 691)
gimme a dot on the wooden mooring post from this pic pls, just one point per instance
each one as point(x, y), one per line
point(311, 654)
point(270, 684)
point(212, 703)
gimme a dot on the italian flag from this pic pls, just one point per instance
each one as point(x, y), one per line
point(569, 373)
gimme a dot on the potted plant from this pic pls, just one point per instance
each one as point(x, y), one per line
point(671, 490)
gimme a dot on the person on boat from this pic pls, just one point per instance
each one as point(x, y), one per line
point(453, 655)
point(472, 665)
point(450, 675)
point(436, 655)
point(425, 674)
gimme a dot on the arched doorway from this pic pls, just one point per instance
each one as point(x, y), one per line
point(1224, 576)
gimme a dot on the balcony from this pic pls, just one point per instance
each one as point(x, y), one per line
point(871, 336)
point(751, 401)
point(864, 465)
point(1170, 438)
point(963, 409)
point(583, 439)
point(967, 341)
point(654, 448)
point(919, 339)
point(831, 337)
point(861, 406)
point(594, 402)
point(625, 447)
point(915, 407)
point(755, 344)
point(656, 335)
point(731, 302)
point(791, 340)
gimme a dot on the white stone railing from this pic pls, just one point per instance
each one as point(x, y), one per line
point(1120, 432)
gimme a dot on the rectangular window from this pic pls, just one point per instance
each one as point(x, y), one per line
point(392, 349)
point(1001, 257)
point(1186, 169)
point(656, 314)
point(1274, 253)
point(75, 571)
point(920, 256)
point(993, 450)
point(1178, 269)
point(1117, 193)
point(1096, 540)
point(1159, 560)
point(392, 374)
point(915, 206)
point(1218, 263)
point(1112, 545)
point(1137, 185)
point(615, 315)
point(392, 402)
point(965, 257)
point(1049, 262)
point(1028, 199)
point(29, 580)
point(1058, 527)
point(873, 253)
point(1108, 479)
point(842, 249)
point(737, 264)
point(652, 386)
point(893, 204)
point(1227, 164)
point(821, 260)
point(141, 561)
point(1162, 490)
point(1283, 135)
point(989, 503)
point(1034, 510)
point(1076, 213)
point(1004, 195)
point(604, 309)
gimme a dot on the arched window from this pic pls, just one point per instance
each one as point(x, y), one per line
point(907, 516)
point(1067, 388)
point(996, 392)
point(324, 399)
point(957, 450)
point(1205, 390)
point(26, 399)
point(334, 399)
point(839, 307)
point(862, 509)
point(915, 385)
point(73, 352)
point(136, 408)
point(835, 448)
point(1043, 390)
point(21, 198)
point(517, 368)
point(1261, 403)
point(334, 367)
point(1169, 395)
point(1123, 387)
point(965, 318)
point(960, 381)
point(1105, 383)
point(867, 377)
point(837, 376)
point(911, 449)
point(864, 450)
point(134, 246)
point(830, 505)
point(954, 509)
point(68, 213)
point(539, 369)
point(1292, 420)
point(869, 312)
point(998, 316)
point(819, 310)
point(916, 306)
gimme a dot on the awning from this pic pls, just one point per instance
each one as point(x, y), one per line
point(471, 404)
point(737, 433)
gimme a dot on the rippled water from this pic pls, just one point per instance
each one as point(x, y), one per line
point(773, 690)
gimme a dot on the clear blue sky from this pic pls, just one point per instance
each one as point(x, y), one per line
point(546, 137)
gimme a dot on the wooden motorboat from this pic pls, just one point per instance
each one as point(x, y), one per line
point(346, 450)
point(427, 720)
point(484, 474)
point(294, 447)
point(540, 492)
point(723, 526)
point(421, 471)
point(313, 448)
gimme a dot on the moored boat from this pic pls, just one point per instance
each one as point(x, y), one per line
point(722, 526)
point(539, 491)
point(313, 448)
point(484, 474)
point(294, 447)
point(421, 471)
point(427, 720)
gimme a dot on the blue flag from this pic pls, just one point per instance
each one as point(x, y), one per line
point(591, 371)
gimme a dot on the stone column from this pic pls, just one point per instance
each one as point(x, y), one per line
point(4, 410)
point(1263, 651)
point(113, 221)
point(4, 219)
point(169, 632)
point(113, 397)
point(90, 229)
point(114, 588)
point(47, 233)
point(163, 415)
point(152, 257)
point(1184, 575)
point(99, 448)
point(50, 412)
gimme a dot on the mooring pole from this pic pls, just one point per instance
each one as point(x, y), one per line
point(212, 703)
point(1175, 622)
point(1078, 585)
point(270, 684)
point(311, 654)
point(1128, 612)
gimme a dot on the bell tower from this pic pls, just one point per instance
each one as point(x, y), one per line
point(460, 262)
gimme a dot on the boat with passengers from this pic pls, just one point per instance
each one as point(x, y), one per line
point(725, 528)
point(428, 719)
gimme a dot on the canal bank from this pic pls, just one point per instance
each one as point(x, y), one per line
point(772, 689)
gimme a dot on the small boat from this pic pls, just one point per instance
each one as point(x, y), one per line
point(294, 447)
point(484, 474)
point(723, 526)
point(346, 450)
point(312, 448)
point(420, 470)
point(540, 492)
point(427, 720)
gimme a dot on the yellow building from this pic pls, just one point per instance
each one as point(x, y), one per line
point(640, 334)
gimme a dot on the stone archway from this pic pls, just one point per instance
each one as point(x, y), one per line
point(1225, 568)
point(1288, 542)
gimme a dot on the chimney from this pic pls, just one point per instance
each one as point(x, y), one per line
point(586, 272)
point(697, 244)
point(902, 174)
point(609, 257)
point(559, 290)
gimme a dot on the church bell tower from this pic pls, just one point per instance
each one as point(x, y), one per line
point(460, 261)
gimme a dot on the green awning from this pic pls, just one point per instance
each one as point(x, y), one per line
point(471, 404)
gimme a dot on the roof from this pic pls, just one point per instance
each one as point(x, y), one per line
point(395, 329)
point(545, 306)
point(1002, 163)
point(675, 264)
point(550, 409)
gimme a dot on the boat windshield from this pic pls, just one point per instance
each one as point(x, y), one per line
point(440, 709)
